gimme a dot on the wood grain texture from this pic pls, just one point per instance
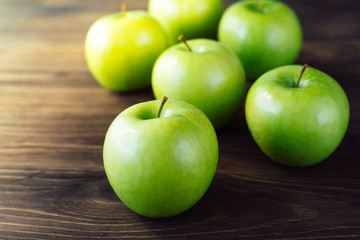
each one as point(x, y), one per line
point(53, 119)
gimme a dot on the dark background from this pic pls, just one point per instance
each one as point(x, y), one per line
point(53, 119)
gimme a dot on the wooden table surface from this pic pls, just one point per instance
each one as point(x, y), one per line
point(53, 119)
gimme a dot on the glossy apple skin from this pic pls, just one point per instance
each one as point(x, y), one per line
point(297, 126)
point(262, 40)
point(193, 18)
point(121, 49)
point(160, 167)
point(210, 77)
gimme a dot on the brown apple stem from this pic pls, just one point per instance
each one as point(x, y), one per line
point(301, 74)
point(182, 38)
point(161, 107)
point(124, 6)
point(258, 5)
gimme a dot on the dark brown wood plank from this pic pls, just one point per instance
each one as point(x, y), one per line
point(53, 119)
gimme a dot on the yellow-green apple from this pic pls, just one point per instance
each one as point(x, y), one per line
point(121, 49)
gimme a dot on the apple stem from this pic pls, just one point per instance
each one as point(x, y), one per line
point(182, 38)
point(124, 6)
point(161, 106)
point(258, 5)
point(301, 74)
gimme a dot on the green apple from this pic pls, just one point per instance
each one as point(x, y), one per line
point(193, 18)
point(264, 34)
point(121, 49)
point(297, 120)
point(207, 75)
point(160, 162)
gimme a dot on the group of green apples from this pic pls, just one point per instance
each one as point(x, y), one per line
point(160, 156)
